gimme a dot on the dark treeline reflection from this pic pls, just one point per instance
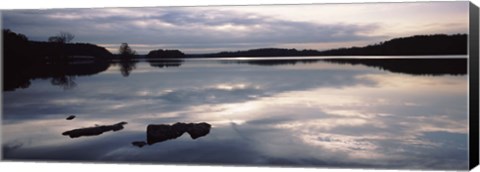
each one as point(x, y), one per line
point(444, 66)
point(272, 62)
point(165, 63)
point(127, 65)
point(61, 74)
point(412, 66)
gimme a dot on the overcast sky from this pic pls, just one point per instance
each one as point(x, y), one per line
point(230, 28)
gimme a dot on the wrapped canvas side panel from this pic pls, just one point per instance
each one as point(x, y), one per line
point(473, 74)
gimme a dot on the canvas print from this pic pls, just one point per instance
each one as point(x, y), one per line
point(361, 85)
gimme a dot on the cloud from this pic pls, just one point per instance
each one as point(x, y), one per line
point(182, 28)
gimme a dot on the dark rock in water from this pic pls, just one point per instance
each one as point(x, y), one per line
point(199, 130)
point(70, 117)
point(139, 143)
point(163, 132)
point(94, 131)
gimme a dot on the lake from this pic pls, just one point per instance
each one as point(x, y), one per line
point(308, 112)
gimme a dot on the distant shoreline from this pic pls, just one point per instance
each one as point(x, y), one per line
point(18, 49)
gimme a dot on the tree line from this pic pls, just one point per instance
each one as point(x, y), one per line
point(438, 44)
point(18, 49)
point(60, 47)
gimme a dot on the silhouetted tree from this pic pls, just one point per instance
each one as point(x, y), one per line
point(62, 37)
point(9, 35)
point(60, 53)
point(126, 66)
point(126, 63)
point(125, 51)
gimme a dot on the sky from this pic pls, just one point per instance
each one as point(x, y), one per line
point(207, 29)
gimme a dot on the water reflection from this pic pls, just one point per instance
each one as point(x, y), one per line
point(126, 65)
point(60, 73)
point(307, 114)
point(139, 144)
point(66, 82)
point(63, 74)
point(435, 67)
point(418, 66)
point(272, 61)
point(165, 63)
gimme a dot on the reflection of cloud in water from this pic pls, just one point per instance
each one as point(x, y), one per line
point(312, 116)
point(339, 115)
point(225, 87)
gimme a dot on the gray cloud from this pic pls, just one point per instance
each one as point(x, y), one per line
point(182, 28)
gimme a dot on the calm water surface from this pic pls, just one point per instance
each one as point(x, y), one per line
point(293, 113)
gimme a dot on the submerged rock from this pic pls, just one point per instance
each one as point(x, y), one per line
point(139, 143)
point(163, 132)
point(70, 117)
point(94, 131)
